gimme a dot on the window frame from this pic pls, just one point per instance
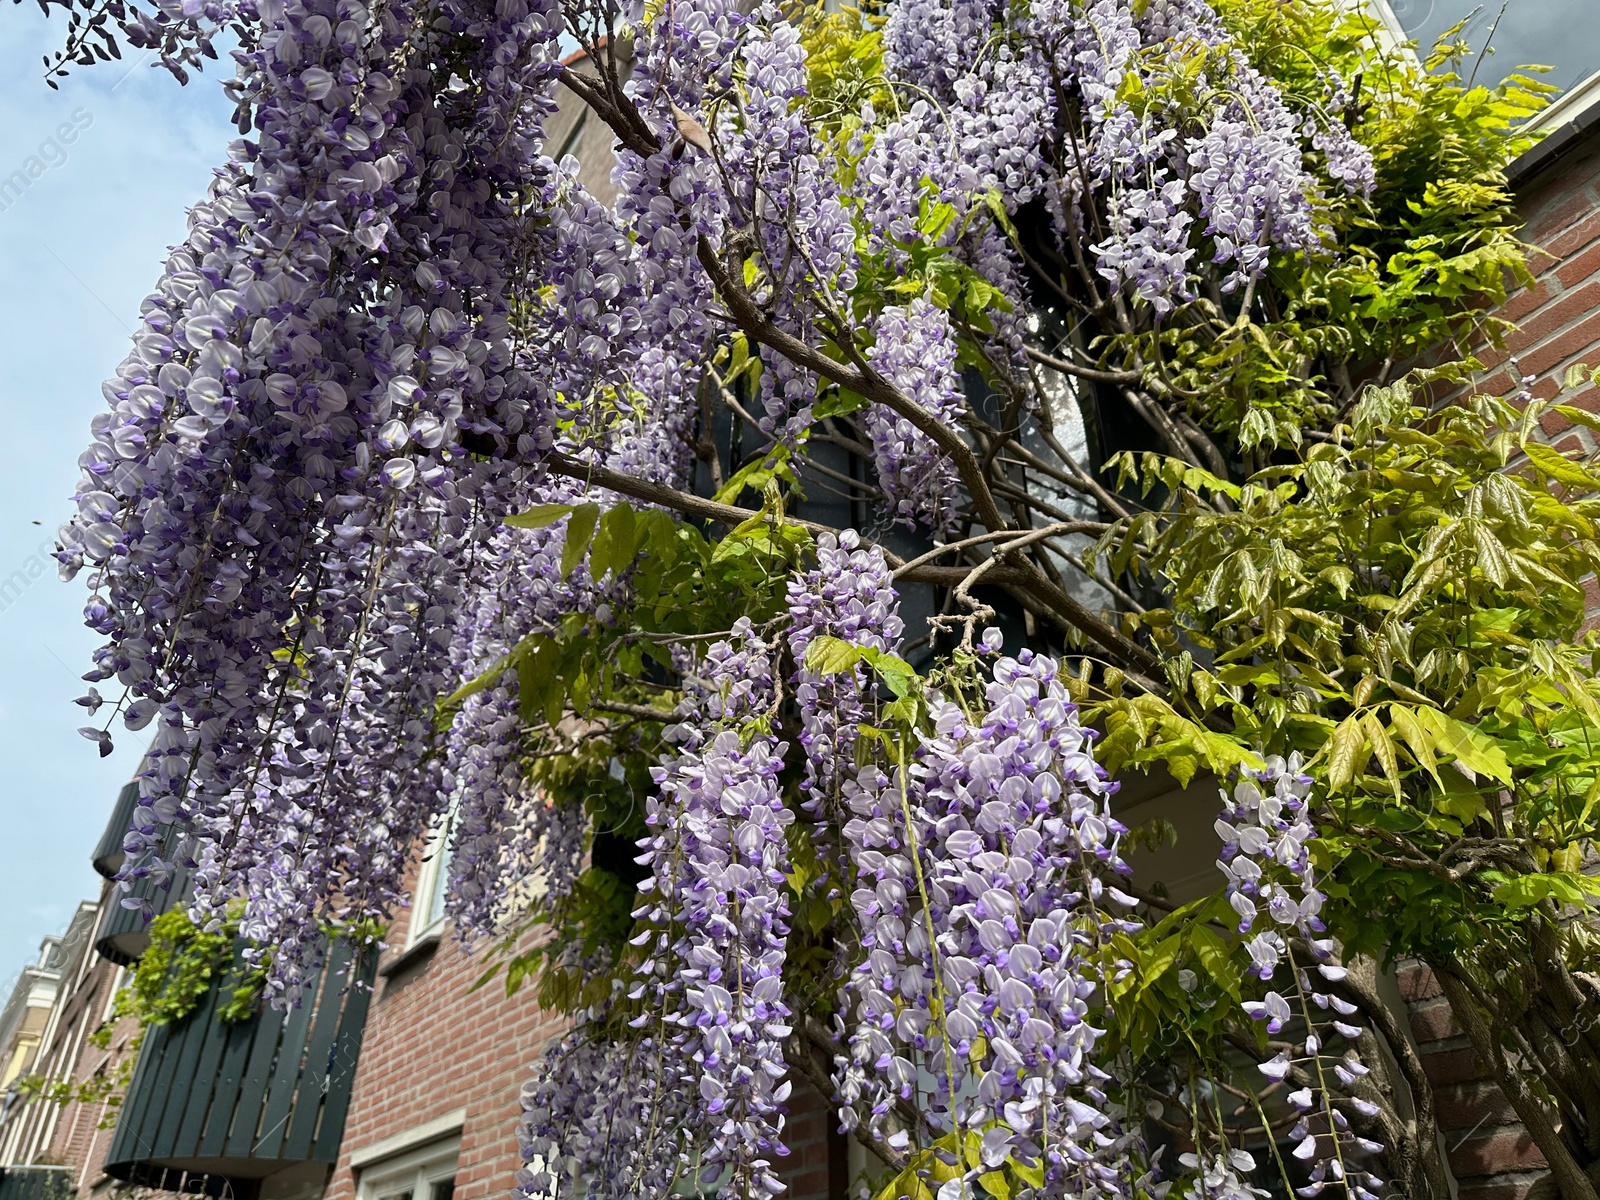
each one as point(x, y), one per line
point(432, 878)
point(417, 1169)
point(1569, 104)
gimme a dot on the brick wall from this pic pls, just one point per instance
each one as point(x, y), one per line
point(432, 1046)
point(1558, 318)
point(1490, 1154)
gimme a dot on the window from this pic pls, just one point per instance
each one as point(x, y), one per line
point(1561, 34)
point(427, 902)
point(426, 1173)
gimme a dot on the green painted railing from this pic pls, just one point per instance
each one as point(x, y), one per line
point(122, 934)
point(247, 1109)
point(36, 1183)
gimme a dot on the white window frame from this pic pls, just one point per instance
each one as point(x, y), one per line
point(417, 1170)
point(431, 877)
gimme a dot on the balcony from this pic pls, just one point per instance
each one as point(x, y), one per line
point(121, 936)
point(251, 1110)
point(255, 1109)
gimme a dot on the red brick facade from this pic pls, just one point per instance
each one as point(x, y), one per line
point(433, 1046)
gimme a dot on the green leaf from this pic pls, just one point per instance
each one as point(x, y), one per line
point(757, 475)
point(1382, 749)
point(996, 1184)
point(615, 545)
point(580, 531)
point(1416, 737)
point(832, 656)
point(1472, 749)
point(1030, 1174)
point(897, 674)
point(539, 516)
point(473, 686)
point(1215, 959)
point(1344, 748)
point(1492, 557)
point(1555, 465)
point(1525, 891)
point(1578, 416)
point(996, 205)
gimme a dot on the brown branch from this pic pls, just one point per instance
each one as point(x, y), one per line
point(642, 711)
point(1091, 373)
point(729, 514)
point(802, 1060)
point(624, 120)
point(1569, 1176)
point(760, 328)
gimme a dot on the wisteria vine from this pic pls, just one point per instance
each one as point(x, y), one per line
point(390, 425)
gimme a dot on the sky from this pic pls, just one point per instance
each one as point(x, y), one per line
point(79, 250)
point(1561, 34)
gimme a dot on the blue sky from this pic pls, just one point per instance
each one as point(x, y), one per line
point(1560, 34)
point(78, 251)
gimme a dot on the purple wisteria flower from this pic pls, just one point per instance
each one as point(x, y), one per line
point(716, 912)
point(915, 349)
point(1265, 829)
point(984, 898)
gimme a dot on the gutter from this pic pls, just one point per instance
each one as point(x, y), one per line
point(1578, 114)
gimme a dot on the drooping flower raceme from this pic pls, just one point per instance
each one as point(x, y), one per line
point(984, 894)
point(716, 905)
point(603, 1119)
point(915, 350)
point(1265, 827)
point(849, 595)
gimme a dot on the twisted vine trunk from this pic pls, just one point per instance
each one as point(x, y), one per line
point(1414, 1156)
point(1482, 1030)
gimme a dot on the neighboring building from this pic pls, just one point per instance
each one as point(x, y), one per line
point(26, 1013)
point(42, 1144)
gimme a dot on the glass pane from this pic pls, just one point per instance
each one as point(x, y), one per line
point(405, 1195)
point(442, 1189)
point(432, 906)
point(1562, 34)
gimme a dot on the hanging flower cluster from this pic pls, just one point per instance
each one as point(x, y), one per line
point(276, 512)
point(915, 350)
point(850, 596)
point(1161, 186)
point(1026, 850)
point(1265, 827)
point(602, 1119)
point(719, 858)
